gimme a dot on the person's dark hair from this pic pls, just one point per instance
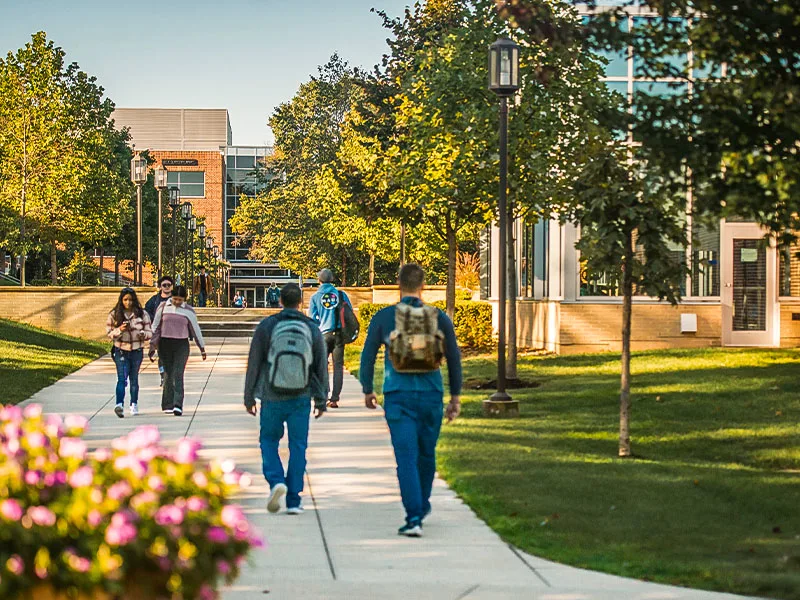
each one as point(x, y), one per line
point(180, 291)
point(291, 295)
point(411, 277)
point(165, 278)
point(119, 308)
point(203, 267)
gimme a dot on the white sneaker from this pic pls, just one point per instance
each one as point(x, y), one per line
point(275, 496)
point(134, 410)
point(295, 510)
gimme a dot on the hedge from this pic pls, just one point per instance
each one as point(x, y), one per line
point(472, 321)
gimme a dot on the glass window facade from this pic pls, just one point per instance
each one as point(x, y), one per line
point(534, 265)
point(192, 184)
point(244, 177)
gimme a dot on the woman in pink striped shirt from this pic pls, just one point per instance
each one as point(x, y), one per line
point(128, 325)
point(174, 322)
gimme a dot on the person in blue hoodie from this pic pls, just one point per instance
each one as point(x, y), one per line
point(323, 309)
point(412, 402)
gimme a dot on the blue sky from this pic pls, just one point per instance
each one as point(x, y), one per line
point(248, 56)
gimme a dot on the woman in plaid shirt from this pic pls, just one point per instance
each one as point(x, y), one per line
point(128, 325)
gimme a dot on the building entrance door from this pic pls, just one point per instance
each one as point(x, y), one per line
point(749, 292)
point(249, 295)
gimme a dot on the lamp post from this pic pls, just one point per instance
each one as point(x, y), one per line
point(209, 246)
point(175, 203)
point(215, 251)
point(138, 177)
point(201, 233)
point(160, 183)
point(503, 81)
point(190, 280)
point(186, 214)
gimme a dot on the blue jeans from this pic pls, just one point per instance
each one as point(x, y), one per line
point(415, 420)
point(295, 413)
point(128, 363)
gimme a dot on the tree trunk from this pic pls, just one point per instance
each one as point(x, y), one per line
point(625, 383)
point(371, 269)
point(102, 257)
point(344, 268)
point(402, 244)
point(511, 294)
point(116, 270)
point(53, 263)
point(452, 253)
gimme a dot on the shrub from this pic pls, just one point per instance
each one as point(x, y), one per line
point(366, 311)
point(135, 515)
point(473, 323)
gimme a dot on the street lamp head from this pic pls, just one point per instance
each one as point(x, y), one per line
point(209, 243)
point(160, 178)
point(193, 224)
point(138, 169)
point(201, 231)
point(216, 251)
point(174, 196)
point(186, 211)
point(504, 67)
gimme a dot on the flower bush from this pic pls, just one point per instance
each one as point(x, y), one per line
point(133, 516)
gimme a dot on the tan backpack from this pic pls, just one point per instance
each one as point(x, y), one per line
point(416, 345)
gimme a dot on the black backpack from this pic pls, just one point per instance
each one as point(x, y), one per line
point(348, 322)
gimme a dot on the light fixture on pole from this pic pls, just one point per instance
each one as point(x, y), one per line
point(175, 203)
point(160, 183)
point(186, 214)
point(503, 81)
point(138, 177)
point(209, 246)
point(190, 279)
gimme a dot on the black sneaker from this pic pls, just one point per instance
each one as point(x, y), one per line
point(119, 409)
point(178, 412)
point(412, 528)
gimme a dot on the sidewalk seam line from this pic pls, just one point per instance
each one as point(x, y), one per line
point(319, 523)
point(527, 564)
point(468, 592)
point(205, 385)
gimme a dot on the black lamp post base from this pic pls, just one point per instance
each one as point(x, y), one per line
point(501, 406)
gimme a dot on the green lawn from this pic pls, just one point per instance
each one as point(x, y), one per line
point(711, 500)
point(32, 358)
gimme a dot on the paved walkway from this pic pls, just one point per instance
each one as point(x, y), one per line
point(345, 545)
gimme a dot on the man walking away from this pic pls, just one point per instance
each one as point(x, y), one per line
point(323, 309)
point(273, 295)
point(417, 337)
point(202, 287)
point(165, 285)
point(287, 367)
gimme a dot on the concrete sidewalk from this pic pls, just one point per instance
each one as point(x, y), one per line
point(345, 545)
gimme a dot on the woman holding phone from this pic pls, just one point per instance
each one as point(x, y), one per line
point(174, 323)
point(128, 326)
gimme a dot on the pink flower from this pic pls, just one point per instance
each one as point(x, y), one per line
point(60, 477)
point(32, 477)
point(15, 565)
point(146, 497)
point(200, 479)
point(196, 504)
point(103, 454)
point(33, 411)
point(217, 535)
point(120, 534)
point(232, 516)
point(72, 448)
point(223, 567)
point(207, 592)
point(186, 452)
point(36, 439)
point(120, 490)
point(49, 479)
point(11, 510)
point(141, 437)
point(137, 467)
point(94, 518)
point(256, 541)
point(42, 516)
point(11, 413)
point(82, 477)
point(155, 483)
point(76, 422)
point(80, 564)
point(169, 515)
point(12, 431)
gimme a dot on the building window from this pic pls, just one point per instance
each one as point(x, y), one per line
point(534, 280)
point(192, 184)
point(705, 260)
point(789, 270)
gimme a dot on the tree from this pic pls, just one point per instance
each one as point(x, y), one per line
point(55, 139)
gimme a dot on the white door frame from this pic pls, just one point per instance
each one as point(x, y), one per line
point(771, 336)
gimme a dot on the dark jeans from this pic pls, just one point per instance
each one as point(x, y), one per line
point(414, 419)
point(295, 413)
point(333, 341)
point(174, 355)
point(128, 363)
point(201, 300)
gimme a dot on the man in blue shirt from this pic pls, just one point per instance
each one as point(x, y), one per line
point(324, 308)
point(412, 402)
